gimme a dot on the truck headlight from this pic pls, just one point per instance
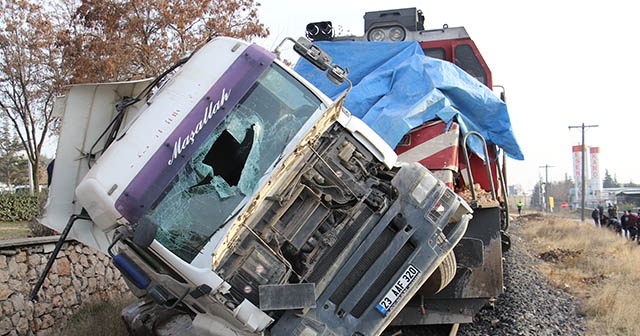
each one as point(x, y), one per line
point(424, 188)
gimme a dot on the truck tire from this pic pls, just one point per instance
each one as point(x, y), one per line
point(441, 277)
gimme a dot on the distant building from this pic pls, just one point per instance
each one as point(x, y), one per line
point(629, 197)
point(516, 189)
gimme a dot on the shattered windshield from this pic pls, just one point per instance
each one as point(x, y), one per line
point(227, 167)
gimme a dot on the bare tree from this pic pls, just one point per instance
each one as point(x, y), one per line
point(122, 40)
point(31, 74)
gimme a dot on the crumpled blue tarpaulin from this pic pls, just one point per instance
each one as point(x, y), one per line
point(397, 88)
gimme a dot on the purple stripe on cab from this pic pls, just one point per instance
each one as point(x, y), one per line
point(147, 188)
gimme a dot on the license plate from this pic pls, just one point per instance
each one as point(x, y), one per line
point(396, 291)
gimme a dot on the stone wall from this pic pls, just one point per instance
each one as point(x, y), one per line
point(79, 275)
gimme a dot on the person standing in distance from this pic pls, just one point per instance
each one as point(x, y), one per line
point(519, 205)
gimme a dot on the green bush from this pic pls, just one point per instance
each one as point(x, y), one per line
point(19, 207)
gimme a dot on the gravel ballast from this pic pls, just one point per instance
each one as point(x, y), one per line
point(530, 305)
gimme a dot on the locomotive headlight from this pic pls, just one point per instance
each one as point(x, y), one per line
point(376, 34)
point(387, 33)
point(397, 33)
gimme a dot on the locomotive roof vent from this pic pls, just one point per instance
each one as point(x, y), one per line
point(392, 25)
point(411, 19)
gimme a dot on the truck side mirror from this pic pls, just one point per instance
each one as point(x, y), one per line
point(320, 59)
point(312, 53)
point(337, 75)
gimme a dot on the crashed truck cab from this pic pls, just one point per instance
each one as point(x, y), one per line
point(233, 193)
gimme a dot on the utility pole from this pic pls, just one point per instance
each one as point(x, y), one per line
point(584, 151)
point(547, 206)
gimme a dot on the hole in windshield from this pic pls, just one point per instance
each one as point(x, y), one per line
point(227, 156)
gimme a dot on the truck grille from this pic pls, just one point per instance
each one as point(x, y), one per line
point(320, 270)
point(384, 278)
point(349, 294)
point(363, 265)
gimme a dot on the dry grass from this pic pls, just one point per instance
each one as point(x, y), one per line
point(99, 319)
point(594, 264)
point(11, 230)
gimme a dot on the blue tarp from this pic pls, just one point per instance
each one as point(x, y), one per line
point(397, 88)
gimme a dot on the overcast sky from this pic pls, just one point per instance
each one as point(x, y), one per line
point(563, 63)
